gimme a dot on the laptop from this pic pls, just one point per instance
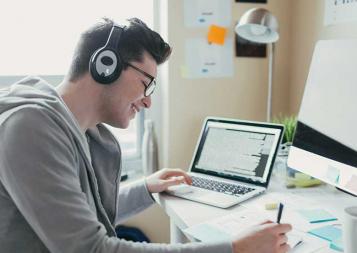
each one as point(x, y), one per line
point(232, 162)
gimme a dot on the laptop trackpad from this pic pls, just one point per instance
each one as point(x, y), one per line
point(206, 195)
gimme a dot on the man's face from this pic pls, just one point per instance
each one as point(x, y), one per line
point(124, 98)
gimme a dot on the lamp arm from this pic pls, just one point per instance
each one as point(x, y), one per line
point(271, 48)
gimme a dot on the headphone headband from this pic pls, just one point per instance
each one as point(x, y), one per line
point(114, 36)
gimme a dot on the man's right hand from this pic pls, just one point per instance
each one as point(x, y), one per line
point(265, 238)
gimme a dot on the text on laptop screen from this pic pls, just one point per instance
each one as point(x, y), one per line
point(241, 151)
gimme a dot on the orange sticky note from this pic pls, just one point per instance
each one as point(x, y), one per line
point(216, 34)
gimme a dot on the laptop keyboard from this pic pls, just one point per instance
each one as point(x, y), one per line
point(226, 188)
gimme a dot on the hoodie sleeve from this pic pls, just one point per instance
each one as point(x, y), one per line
point(38, 170)
point(133, 198)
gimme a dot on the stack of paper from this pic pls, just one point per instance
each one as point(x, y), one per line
point(230, 226)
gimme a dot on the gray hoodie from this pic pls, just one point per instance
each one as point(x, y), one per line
point(59, 187)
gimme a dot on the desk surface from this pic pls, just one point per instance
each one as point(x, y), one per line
point(184, 213)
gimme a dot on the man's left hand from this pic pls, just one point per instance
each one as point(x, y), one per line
point(162, 179)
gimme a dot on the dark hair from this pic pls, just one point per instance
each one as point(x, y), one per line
point(135, 40)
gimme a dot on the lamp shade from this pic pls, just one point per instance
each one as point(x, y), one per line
point(258, 25)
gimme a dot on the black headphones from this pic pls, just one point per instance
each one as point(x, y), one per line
point(105, 64)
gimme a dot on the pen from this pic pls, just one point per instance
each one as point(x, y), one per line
point(280, 211)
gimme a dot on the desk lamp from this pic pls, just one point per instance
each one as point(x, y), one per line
point(260, 26)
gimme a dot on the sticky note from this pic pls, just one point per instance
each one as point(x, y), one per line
point(337, 244)
point(316, 215)
point(216, 34)
point(329, 233)
point(271, 206)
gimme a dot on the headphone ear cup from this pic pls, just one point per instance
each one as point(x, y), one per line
point(105, 66)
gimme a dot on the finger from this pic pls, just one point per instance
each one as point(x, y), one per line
point(176, 172)
point(283, 239)
point(174, 181)
point(281, 228)
point(284, 248)
point(266, 222)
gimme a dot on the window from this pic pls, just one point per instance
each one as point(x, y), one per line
point(38, 38)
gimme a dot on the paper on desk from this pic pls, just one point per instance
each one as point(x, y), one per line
point(290, 215)
point(291, 201)
point(310, 244)
point(207, 233)
point(230, 226)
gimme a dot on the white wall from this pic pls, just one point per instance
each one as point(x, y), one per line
point(307, 28)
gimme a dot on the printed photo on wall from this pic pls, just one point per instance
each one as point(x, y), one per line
point(245, 48)
point(252, 1)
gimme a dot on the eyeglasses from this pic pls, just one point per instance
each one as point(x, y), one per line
point(149, 89)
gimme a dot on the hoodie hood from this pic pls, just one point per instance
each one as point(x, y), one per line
point(37, 92)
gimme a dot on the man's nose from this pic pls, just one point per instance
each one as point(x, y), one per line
point(146, 101)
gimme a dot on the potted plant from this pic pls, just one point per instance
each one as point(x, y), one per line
point(289, 123)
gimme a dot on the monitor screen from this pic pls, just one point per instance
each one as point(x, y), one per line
point(325, 142)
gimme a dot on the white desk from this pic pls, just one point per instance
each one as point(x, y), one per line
point(184, 213)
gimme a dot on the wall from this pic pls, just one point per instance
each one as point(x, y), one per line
point(308, 28)
point(243, 96)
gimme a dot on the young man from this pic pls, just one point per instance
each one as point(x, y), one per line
point(60, 167)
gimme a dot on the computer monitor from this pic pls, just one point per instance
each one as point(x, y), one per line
point(325, 141)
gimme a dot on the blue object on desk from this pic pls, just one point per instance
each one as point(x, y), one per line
point(316, 215)
point(337, 244)
point(330, 233)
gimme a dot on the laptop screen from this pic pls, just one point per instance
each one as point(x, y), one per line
point(237, 150)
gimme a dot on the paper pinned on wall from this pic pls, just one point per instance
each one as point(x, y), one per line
point(340, 11)
point(204, 60)
point(216, 34)
point(202, 13)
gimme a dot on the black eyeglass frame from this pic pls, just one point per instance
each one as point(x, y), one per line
point(150, 88)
